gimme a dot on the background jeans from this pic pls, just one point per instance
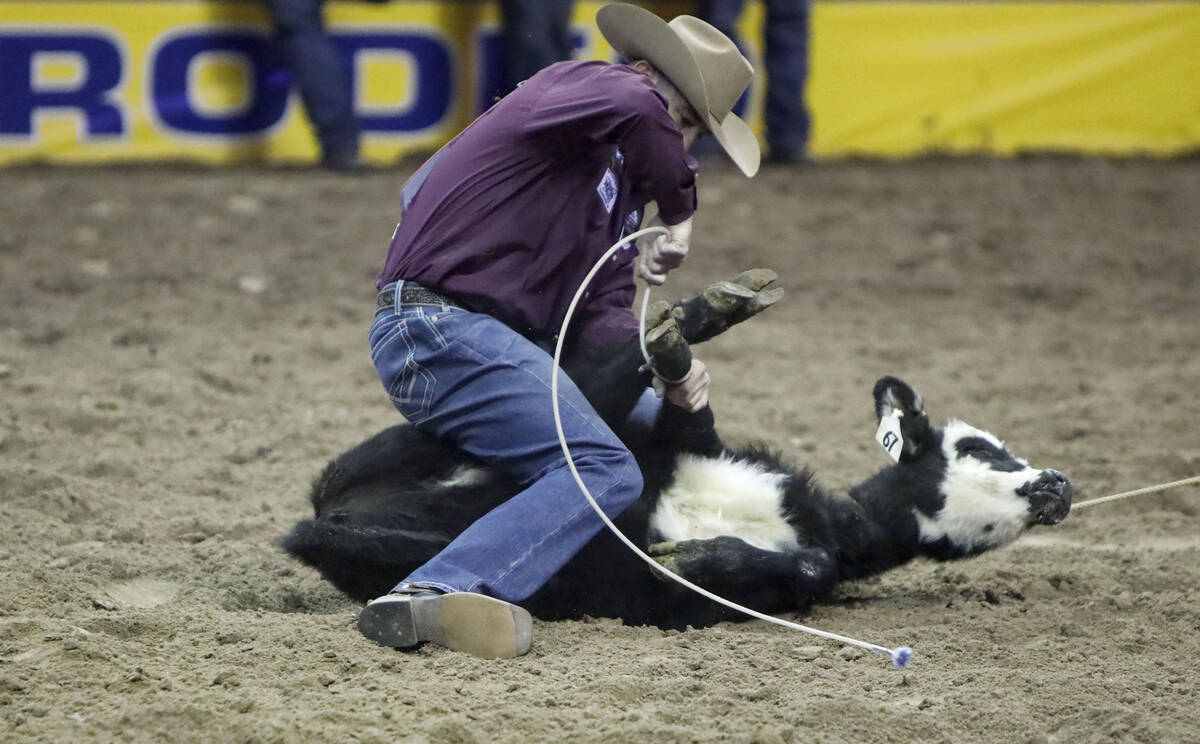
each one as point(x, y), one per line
point(320, 75)
point(469, 379)
point(785, 57)
point(537, 33)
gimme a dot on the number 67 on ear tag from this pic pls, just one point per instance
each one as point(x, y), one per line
point(888, 435)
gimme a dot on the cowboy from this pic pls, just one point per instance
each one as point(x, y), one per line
point(498, 230)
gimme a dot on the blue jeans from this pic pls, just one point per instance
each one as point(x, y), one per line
point(320, 74)
point(537, 33)
point(472, 381)
point(785, 33)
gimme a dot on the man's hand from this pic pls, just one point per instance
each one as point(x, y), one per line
point(691, 394)
point(658, 253)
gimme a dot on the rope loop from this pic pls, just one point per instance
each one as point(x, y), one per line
point(900, 656)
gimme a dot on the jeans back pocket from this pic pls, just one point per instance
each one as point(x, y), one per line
point(397, 342)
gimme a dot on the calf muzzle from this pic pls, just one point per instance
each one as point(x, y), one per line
point(1049, 497)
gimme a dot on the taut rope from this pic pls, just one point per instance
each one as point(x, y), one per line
point(1138, 492)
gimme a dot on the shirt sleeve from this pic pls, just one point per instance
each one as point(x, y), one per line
point(616, 105)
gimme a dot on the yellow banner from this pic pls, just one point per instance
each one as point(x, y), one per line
point(90, 81)
point(900, 78)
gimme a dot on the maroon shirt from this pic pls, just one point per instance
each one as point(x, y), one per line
point(511, 215)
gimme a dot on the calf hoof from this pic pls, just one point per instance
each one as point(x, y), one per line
point(755, 279)
point(665, 554)
point(670, 355)
point(726, 304)
point(686, 557)
point(657, 313)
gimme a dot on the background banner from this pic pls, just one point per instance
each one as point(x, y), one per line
point(1100, 77)
point(94, 81)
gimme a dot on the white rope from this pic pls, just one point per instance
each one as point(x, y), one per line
point(900, 656)
point(641, 322)
point(1138, 492)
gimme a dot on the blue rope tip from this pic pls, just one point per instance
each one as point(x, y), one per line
point(901, 656)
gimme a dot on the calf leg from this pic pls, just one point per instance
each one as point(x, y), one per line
point(719, 306)
point(678, 431)
point(763, 580)
point(612, 379)
point(361, 554)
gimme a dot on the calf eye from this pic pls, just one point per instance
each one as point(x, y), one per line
point(976, 447)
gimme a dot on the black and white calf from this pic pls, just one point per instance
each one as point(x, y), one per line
point(740, 522)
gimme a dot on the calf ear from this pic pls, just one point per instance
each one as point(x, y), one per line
point(892, 394)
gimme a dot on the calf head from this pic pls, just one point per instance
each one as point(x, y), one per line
point(967, 492)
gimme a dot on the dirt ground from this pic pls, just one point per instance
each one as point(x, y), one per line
point(181, 350)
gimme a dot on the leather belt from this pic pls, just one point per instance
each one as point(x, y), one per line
point(413, 294)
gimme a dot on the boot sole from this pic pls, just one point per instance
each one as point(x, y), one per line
point(470, 623)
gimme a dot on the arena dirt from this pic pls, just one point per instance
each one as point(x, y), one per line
point(181, 350)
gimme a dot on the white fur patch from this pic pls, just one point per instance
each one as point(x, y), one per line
point(982, 509)
point(718, 496)
point(464, 476)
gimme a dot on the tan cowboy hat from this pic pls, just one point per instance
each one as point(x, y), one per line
point(699, 60)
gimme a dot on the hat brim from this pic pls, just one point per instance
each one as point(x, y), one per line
point(636, 33)
point(738, 141)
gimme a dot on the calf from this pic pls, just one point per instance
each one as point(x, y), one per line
point(740, 522)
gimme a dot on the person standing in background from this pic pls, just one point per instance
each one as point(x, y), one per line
point(785, 34)
point(537, 33)
point(319, 73)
